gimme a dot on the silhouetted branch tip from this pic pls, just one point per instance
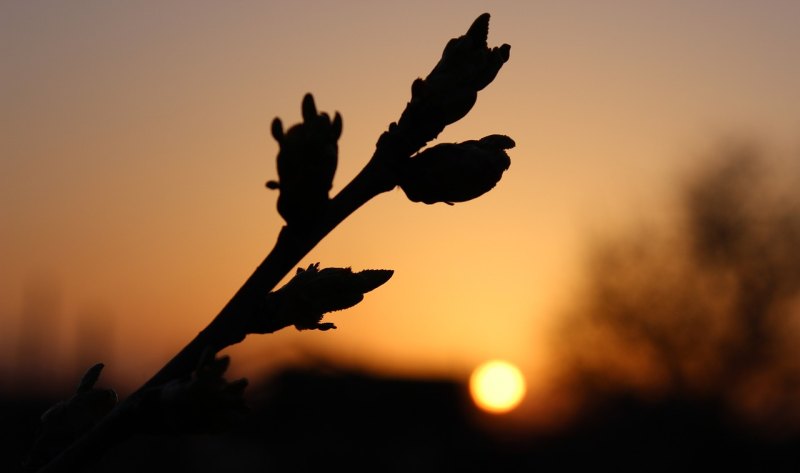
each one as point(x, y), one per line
point(306, 163)
point(456, 172)
point(449, 92)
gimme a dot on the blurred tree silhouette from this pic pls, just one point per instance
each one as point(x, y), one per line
point(705, 310)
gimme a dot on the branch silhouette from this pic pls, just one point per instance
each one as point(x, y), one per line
point(306, 164)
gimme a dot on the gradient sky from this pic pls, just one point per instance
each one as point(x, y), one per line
point(134, 147)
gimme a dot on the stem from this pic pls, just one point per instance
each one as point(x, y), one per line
point(228, 327)
point(292, 245)
point(447, 95)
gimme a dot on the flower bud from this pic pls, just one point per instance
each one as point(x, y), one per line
point(306, 163)
point(312, 293)
point(456, 172)
point(448, 93)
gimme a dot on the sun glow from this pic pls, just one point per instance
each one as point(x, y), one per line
point(497, 386)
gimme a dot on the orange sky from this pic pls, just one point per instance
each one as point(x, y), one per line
point(135, 145)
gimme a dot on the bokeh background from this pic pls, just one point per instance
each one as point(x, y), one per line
point(654, 175)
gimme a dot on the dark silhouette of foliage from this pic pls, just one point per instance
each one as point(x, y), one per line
point(190, 394)
point(705, 309)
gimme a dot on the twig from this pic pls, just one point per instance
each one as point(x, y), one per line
point(445, 96)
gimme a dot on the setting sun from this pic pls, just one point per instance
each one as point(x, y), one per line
point(497, 386)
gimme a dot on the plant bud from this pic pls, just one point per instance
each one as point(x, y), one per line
point(467, 66)
point(456, 172)
point(306, 163)
point(312, 293)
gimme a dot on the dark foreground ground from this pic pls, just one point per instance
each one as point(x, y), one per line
point(309, 421)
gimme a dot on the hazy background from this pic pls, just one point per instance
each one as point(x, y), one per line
point(134, 147)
